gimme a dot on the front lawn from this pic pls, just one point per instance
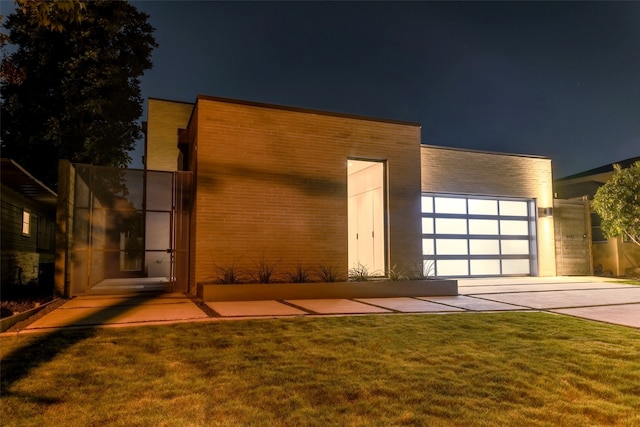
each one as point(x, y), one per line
point(483, 369)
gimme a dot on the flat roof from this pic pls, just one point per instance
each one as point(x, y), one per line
point(343, 115)
point(470, 150)
point(305, 110)
point(170, 100)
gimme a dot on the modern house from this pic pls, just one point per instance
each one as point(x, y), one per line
point(612, 257)
point(28, 226)
point(233, 186)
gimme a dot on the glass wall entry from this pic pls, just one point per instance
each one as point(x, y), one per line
point(365, 188)
point(474, 236)
point(127, 226)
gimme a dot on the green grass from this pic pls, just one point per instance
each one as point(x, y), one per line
point(531, 369)
point(630, 282)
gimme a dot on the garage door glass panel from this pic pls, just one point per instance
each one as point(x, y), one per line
point(484, 226)
point(453, 267)
point(484, 247)
point(427, 204)
point(515, 247)
point(451, 226)
point(515, 266)
point(485, 267)
point(513, 208)
point(450, 205)
point(427, 247)
point(514, 228)
point(427, 226)
point(483, 207)
point(452, 247)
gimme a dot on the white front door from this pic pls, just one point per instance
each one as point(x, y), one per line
point(365, 188)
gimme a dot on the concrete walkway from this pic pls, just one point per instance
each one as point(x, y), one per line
point(604, 300)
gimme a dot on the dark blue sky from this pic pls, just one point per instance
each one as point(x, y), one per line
point(557, 79)
point(554, 79)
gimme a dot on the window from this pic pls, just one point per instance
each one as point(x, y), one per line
point(26, 223)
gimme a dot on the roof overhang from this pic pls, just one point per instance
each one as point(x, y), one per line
point(18, 179)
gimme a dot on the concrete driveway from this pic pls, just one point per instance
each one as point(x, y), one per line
point(594, 298)
point(604, 300)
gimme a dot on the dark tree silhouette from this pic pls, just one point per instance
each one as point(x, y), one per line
point(71, 88)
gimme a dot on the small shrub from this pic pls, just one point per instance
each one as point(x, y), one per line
point(429, 269)
point(359, 273)
point(422, 269)
point(397, 274)
point(328, 273)
point(299, 275)
point(264, 271)
point(228, 275)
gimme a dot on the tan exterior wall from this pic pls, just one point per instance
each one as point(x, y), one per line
point(606, 257)
point(629, 258)
point(272, 183)
point(164, 118)
point(615, 257)
point(455, 171)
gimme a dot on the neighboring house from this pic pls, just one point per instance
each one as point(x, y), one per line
point(28, 226)
point(612, 257)
point(233, 185)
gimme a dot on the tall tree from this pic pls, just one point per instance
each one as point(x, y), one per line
point(617, 202)
point(71, 88)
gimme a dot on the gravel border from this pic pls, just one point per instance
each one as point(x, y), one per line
point(203, 306)
point(53, 305)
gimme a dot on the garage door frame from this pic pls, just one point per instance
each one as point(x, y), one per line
point(478, 236)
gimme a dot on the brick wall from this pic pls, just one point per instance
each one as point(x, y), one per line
point(446, 170)
point(164, 118)
point(271, 183)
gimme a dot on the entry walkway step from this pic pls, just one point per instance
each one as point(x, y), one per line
point(125, 310)
point(589, 298)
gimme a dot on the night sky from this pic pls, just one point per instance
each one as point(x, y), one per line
point(560, 80)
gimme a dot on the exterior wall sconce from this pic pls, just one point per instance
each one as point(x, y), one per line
point(545, 212)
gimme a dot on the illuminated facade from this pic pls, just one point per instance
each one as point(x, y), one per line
point(313, 187)
point(265, 185)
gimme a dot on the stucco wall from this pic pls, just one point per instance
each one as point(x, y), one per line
point(455, 171)
point(164, 118)
point(615, 257)
point(272, 182)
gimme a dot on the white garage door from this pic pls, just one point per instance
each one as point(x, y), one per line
point(476, 236)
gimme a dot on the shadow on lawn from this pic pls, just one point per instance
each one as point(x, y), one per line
point(19, 363)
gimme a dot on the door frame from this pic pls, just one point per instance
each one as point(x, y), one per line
point(380, 214)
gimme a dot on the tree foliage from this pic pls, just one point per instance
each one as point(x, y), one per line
point(74, 90)
point(52, 14)
point(617, 202)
